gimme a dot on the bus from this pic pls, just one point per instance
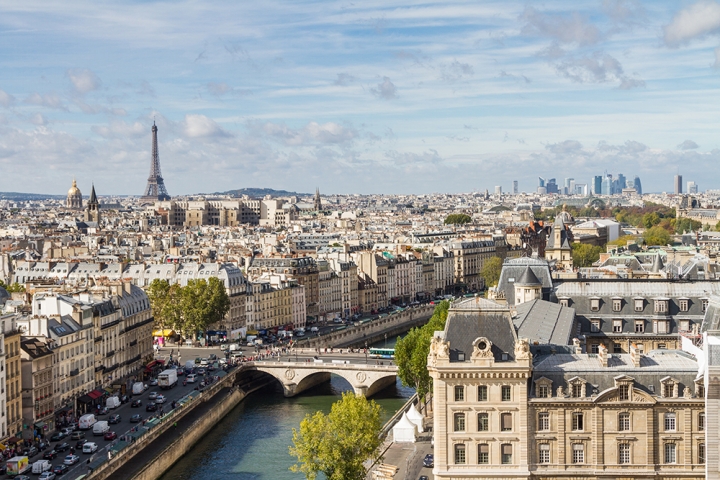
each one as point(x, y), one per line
point(382, 352)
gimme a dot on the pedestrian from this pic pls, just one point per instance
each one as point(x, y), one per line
point(175, 424)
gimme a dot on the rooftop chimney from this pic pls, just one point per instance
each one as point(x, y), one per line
point(635, 355)
point(603, 355)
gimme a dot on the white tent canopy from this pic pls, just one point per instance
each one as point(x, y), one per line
point(415, 417)
point(404, 430)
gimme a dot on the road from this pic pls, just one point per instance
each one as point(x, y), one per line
point(125, 411)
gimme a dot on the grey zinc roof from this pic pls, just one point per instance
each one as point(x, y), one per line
point(544, 322)
point(466, 324)
point(654, 366)
point(513, 270)
point(528, 278)
point(645, 289)
point(711, 321)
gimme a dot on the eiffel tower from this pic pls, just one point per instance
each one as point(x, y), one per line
point(155, 189)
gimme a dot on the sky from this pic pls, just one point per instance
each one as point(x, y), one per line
point(390, 96)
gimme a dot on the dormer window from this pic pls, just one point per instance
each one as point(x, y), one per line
point(576, 386)
point(684, 304)
point(617, 304)
point(704, 305)
point(543, 388)
point(639, 304)
point(661, 306)
point(669, 387)
point(594, 304)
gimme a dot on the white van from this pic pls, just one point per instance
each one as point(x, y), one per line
point(86, 422)
point(112, 403)
point(101, 428)
point(41, 466)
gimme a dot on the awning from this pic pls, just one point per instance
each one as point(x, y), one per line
point(40, 425)
point(13, 440)
point(164, 333)
point(63, 410)
point(109, 390)
point(85, 399)
point(95, 394)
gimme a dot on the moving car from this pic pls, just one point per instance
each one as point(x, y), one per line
point(77, 435)
point(160, 399)
point(90, 447)
point(79, 444)
point(429, 460)
point(51, 455)
point(191, 378)
point(110, 436)
point(47, 476)
point(135, 418)
point(61, 469)
point(57, 436)
point(153, 382)
point(62, 447)
point(151, 407)
point(113, 419)
point(136, 403)
point(152, 396)
point(71, 460)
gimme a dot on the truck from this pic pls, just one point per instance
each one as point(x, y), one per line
point(101, 428)
point(167, 379)
point(138, 388)
point(17, 466)
point(41, 466)
point(86, 421)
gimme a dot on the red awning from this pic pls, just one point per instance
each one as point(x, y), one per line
point(150, 365)
point(95, 394)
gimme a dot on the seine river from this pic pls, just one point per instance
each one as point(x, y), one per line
point(252, 442)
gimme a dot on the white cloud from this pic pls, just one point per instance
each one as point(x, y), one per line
point(688, 145)
point(313, 133)
point(50, 100)
point(385, 89)
point(596, 68)
point(572, 28)
point(344, 79)
point(696, 21)
point(200, 126)
point(6, 99)
point(83, 80)
point(38, 119)
point(456, 71)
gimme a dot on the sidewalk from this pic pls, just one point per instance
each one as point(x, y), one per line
point(408, 457)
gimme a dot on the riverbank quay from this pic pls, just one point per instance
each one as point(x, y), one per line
point(407, 457)
point(149, 451)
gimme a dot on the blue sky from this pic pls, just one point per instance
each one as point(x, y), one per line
point(357, 97)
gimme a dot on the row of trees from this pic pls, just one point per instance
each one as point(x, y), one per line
point(457, 219)
point(189, 309)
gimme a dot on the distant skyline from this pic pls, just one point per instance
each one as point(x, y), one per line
point(365, 97)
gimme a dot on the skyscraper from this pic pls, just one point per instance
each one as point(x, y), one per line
point(637, 185)
point(596, 185)
point(515, 187)
point(498, 190)
point(678, 184)
point(541, 182)
point(691, 187)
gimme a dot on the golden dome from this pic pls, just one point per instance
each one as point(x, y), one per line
point(74, 189)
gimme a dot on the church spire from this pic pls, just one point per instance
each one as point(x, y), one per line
point(318, 202)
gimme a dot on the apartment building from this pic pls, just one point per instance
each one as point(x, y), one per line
point(38, 402)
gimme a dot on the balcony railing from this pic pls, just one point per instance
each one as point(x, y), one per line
point(75, 372)
point(110, 354)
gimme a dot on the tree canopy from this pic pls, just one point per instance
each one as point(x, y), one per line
point(191, 308)
point(656, 236)
point(490, 271)
point(584, 255)
point(457, 219)
point(337, 444)
point(13, 287)
point(411, 351)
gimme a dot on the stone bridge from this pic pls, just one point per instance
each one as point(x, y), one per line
point(296, 377)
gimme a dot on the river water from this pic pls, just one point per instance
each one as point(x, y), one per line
point(251, 443)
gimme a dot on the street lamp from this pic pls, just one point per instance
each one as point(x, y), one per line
point(386, 340)
point(366, 353)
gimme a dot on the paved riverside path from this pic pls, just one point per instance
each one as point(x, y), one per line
point(150, 452)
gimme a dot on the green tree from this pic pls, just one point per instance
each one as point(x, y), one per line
point(656, 236)
point(203, 303)
point(338, 444)
point(411, 352)
point(165, 304)
point(622, 240)
point(584, 255)
point(683, 225)
point(490, 271)
point(650, 219)
point(457, 219)
point(13, 287)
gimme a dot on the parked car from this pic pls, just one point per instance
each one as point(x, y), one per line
point(90, 447)
point(160, 399)
point(47, 476)
point(151, 407)
point(102, 411)
point(62, 447)
point(124, 398)
point(423, 477)
point(213, 357)
point(77, 435)
point(71, 459)
point(152, 396)
point(113, 419)
point(110, 436)
point(61, 469)
point(57, 436)
point(136, 403)
point(51, 455)
point(429, 460)
point(135, 418)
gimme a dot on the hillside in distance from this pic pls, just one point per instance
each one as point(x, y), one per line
point(260, 192)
